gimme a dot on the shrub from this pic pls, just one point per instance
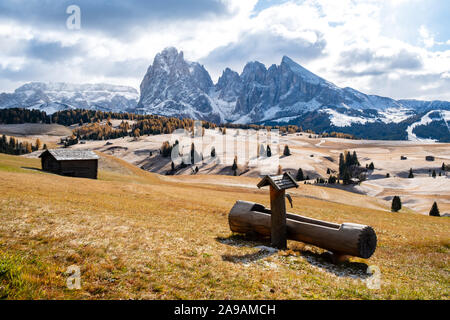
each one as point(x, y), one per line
point(411, 174)
point(396, 204)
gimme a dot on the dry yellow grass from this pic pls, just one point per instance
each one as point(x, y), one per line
point(135, 235)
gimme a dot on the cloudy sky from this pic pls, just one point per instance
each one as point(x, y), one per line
point(396, 48)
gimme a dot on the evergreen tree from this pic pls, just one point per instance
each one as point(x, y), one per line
point(434, 212)
point(348, 159)
point(434, 174)
point(234, 166)
point(411, 174)
point(371, 166)
point(396, 204)
point(355, 159)
point(341, 165)
point(286, 151)
point(388, 175)
point(269, 152)
point(213, 152)
point(192, 153)
point(300, 176)
point(346, 179)
point(443, 166)
point(328, 171)
point(172, 166)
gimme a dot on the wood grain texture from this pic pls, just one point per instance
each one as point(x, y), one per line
point(344, 239)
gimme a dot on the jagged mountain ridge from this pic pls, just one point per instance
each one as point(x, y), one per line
point(173, 86)
point(281, 94)
point(52, 97)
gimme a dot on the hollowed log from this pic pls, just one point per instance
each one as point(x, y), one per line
point(343, 239)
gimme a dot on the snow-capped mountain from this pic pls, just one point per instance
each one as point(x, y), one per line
point(52, 97)
point(279, 95)
point(175, 87)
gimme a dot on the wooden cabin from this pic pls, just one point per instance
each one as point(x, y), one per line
point(69, 162)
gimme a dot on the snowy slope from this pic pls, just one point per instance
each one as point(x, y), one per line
point(426, 120)
point(51, 97)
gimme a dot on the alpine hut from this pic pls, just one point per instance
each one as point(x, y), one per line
point(69, 162)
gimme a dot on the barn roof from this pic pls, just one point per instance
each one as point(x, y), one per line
point(71, 154)
point(282, 182)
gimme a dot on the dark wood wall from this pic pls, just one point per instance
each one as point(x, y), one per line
point(71, 168)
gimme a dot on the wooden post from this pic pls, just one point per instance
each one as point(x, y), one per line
point(278, 218)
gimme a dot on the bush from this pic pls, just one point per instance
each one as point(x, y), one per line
point(396, 204)
point(411, 174)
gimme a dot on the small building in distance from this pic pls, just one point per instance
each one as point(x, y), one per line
point(429, 158)
point(69, 162)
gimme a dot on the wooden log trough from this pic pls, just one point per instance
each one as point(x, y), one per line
point(341, 239)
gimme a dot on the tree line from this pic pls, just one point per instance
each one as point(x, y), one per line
point(16, 147)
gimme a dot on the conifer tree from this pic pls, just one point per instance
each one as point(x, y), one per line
point(300, 176)
point(434, 212)
point(396, 204)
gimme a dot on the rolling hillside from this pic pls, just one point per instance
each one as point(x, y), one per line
point(137, 236)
